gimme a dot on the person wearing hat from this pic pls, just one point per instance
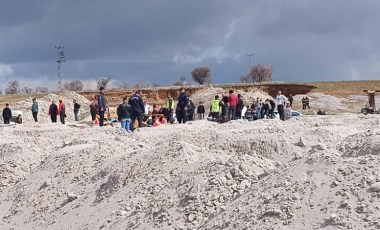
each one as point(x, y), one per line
point(102, 106)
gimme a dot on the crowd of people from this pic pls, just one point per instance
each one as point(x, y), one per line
point(133, 112)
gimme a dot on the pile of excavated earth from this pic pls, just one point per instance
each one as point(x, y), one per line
point(309, 172)
point(44, 103)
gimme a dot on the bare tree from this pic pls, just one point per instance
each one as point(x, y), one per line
point(201, 75)
point(41, 89)
point(123, 85)
point(75, 85)
point(244, 79)
point(103, 82)
point(13, 87)
point(26, 90)
point(178, 83)
point(260, 73)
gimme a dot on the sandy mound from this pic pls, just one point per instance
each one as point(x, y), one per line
point(262, 175)
point(43, 103)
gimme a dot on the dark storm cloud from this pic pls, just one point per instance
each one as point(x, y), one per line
point(159, 41)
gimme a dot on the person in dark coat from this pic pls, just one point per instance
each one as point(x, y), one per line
point(53, 111)
point(182, 106)
point(76, 109)
point(271, 110)
point(239, 107)
point(291, 100)
point(94, 108)
point(201, 111)
point(7, 114)
point(137, 108)
point(102, 106)
point(191, 110)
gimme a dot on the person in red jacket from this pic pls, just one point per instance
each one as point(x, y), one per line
point(233, 101)
point(61, 111)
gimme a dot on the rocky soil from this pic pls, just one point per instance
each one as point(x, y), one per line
point(311, 172)
point(43, 103)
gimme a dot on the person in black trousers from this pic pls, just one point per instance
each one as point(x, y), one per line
point(182, 106)
point(7, 114)
point(53, 111)
point(102, 106)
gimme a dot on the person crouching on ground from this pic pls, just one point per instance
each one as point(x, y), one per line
point(124, 115)
point(249, 114)
point(53, 111)
point(61, 111)
point(137, 108)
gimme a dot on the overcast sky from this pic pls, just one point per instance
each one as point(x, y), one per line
point(158, 41)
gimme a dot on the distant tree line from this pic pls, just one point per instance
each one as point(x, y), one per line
point(200, 75)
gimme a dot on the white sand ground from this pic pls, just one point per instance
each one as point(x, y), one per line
point(311, 172)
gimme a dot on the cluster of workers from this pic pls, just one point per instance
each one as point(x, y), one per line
point(133, 112)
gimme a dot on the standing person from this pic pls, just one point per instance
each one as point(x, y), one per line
point(291, 100)
point(280, 99)
point(224, 103)
point(233, 101)
point(7, 114)
point(258, 105)
point(61, 111)
point(94, 108)
point(266, 108)
point(102, 106)
point(182, 106)
point(53, 111)
point(76, 109)
point(147, 108)
point(303, 103)
point(191, 110)
point(137, 108)
point(239, 107)
point(215, 108)
point(170, 105)
point(35, 109)
point(124, 115)
point(307, 102)
point(201, 111)
point(272, 106)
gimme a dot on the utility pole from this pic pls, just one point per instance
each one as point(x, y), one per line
point(249, 59)
point(61, 58)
